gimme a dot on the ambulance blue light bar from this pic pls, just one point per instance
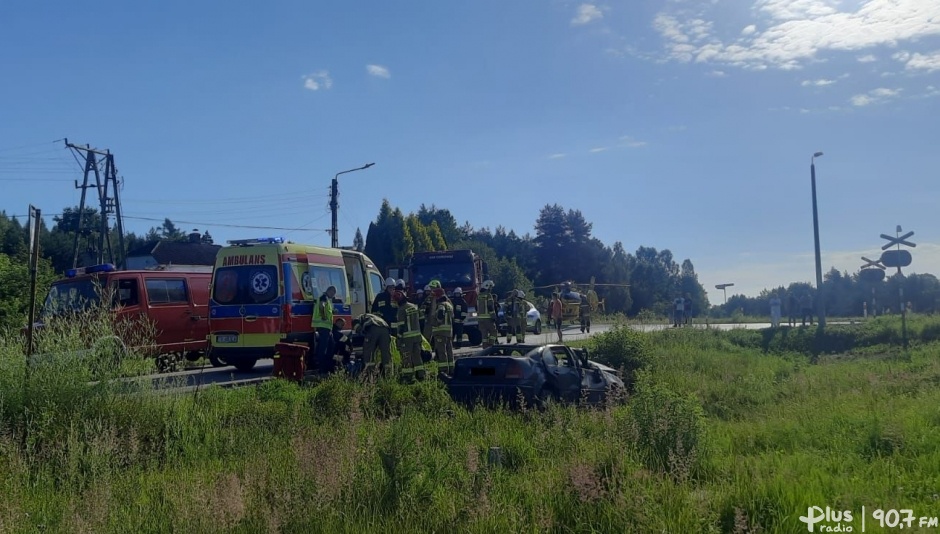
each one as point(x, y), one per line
point(103, 268)
point(255, 241)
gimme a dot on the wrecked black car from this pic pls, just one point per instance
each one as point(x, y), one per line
point(532, 375)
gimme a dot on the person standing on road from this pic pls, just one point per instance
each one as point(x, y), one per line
point(678, 311)
point(410, 339)
point(584, 311)
point(377, 336)
point(322, 322)
point(555, 313)
point(806, 308)
point(775, 310)
point(443, 332)
point(386, 305)
point(460, 313)
point(687, 308)
point(486, 314)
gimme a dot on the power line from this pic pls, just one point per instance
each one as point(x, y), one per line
point(210, 224)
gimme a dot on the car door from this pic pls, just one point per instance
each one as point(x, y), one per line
point(127, 304)
point(168, 307)
point(197, 287)
point(564, 373)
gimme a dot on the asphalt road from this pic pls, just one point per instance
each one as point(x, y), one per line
point(193, 379)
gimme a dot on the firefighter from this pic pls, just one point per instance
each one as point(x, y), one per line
point(386, 305)
point(409, 339)
point(322, 322)
point(486, 314)
point(377, 334)
point(516, 310)
point(428, 307)
point(443, 331)
point(584, 312)
point(460, 313)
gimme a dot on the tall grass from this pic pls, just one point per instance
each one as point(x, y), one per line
point(717, 436)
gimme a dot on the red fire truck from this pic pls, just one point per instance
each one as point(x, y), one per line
point(453, 268)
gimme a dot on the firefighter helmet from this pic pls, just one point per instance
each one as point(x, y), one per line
point(435, 284)
point(389, 282)
point(488, 284)
point(458, 292)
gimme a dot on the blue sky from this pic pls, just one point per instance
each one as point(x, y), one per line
point(683, 124)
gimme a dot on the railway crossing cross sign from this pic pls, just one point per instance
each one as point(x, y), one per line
point(897, 258)
point(872, 263)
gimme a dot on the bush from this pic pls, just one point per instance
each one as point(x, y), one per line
point(670, 428)
point(622, 348)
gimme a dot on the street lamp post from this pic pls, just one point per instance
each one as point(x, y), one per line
point(820, 303)
point(334, 203)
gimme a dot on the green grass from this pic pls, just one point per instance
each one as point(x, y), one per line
point(721, 434)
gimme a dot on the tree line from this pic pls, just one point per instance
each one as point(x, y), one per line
point(562, 249)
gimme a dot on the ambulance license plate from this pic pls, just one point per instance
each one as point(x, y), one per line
point(229, 338)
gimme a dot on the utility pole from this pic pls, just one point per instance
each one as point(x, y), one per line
point(109, 201)
point(334, 203)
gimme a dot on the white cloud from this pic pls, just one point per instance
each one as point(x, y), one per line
point(598, 149)
point(817, 83)
point(799, 31)
point(928, 62)
point(318, 80)
point(587, 13)
point(867, 58)
point(556, 156)
point(378, 71)
point(717, 74)
point(875, 96)
point(629, 142)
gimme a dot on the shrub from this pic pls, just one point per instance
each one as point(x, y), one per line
point(622, 348)
point(670, 428)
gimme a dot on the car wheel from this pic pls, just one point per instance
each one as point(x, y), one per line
point(245, 365)
point(538, 327)
point(216, 361)
point(193, 356)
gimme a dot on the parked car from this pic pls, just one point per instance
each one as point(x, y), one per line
point(533, 319)
point(532, 374)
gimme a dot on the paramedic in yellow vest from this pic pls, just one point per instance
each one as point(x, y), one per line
point(322, 322)
point(443, 331)
point(486, 314)
point(377, 336)
point(409, 339)
point(516, 310)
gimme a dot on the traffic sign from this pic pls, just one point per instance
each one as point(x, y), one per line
point(871, 275)
point(722, 286)
point(892, 241)
point(872, 263)
point(896, 258)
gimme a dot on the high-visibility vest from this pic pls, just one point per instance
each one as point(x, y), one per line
point(411, 326)
point(323, 314)
point(485, 305)
point(444, 320)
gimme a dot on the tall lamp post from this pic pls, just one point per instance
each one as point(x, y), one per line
point(820, 303)
point(334, 203)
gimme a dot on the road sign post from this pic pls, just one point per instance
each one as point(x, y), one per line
point(898, 258)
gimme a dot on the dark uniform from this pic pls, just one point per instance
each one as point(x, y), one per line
point(377, 336)
point(410, 340)
point(584, 311)
point(386, 305)
point(460, 313)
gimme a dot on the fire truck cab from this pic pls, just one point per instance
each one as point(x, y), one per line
point(453, 268)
